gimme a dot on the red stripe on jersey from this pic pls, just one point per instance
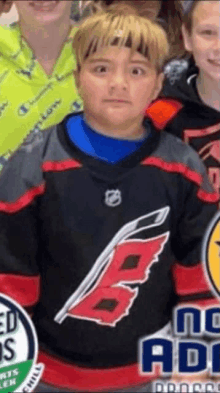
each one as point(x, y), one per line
point(72, 377)
point(174, 167)
point(162, 111)
point(189, 280)
point(186, 172)
point(208, 197)
point(56, 166)
point(25, 290)
point(201, 302)
point(23, 200)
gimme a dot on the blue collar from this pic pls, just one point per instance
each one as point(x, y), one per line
point(102, 147)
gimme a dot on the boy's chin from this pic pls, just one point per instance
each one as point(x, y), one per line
point(115, 122)
point(213, 74)
point(119, 116)
point(46, 19)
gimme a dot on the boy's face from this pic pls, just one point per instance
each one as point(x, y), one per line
point(40, 12)
point(204, 40)
point(116, 88)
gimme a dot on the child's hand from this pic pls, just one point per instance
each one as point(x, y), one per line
point(5, 6)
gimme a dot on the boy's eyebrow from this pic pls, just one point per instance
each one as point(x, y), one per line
point(109, 61)
point(99, 59)
point(207, 25)
point(145, 62)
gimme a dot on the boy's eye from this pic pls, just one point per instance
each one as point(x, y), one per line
point(208, 32)
point(101, 69)
point(137, 71)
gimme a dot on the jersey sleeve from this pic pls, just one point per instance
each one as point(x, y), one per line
point(21, 184)
point(200, 206)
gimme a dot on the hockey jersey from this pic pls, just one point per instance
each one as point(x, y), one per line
point(102, 252)
point(194, 122)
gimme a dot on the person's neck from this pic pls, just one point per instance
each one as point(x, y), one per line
point(46, 41)
point(209, 91)
point(131, 131)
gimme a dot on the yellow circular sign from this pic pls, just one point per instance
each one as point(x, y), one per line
point(212, 253)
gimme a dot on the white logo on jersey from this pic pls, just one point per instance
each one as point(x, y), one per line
point(113, 198)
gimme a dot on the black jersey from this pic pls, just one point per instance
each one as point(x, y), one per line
point(103, 252)
point(195, 122)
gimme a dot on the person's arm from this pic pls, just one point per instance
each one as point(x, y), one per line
point(199, 209)
point(21, 185)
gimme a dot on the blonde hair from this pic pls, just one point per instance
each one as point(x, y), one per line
point(120, 25)
point(168, 16)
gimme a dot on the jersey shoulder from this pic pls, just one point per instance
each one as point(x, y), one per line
point(173, 149)
point(22, 174)
point(173, 156)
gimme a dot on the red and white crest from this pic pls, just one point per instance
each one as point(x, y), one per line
point(124, 261)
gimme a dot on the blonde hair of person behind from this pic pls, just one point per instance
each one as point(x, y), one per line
point(120, 25)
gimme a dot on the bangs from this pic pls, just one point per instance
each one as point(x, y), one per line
point(132, 31)
point(96, 44)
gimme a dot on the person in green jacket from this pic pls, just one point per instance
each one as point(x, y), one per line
point(37, 86)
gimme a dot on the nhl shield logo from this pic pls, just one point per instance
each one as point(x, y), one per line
point(113, 198)
point(211, 253)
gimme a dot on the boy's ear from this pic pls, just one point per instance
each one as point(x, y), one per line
point(186, 39)
point(159, 85)
point(76, 77)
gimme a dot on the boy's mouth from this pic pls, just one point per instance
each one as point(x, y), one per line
point(117, 101)
point(215, 62)
point(41, 5)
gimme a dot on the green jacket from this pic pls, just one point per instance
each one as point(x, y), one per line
point(30, 100)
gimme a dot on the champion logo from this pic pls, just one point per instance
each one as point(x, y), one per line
point(113, 198)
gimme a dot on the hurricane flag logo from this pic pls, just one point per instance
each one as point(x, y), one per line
point(109, 290)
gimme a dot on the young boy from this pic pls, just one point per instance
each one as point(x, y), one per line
point(197, 89)
point(94, 217)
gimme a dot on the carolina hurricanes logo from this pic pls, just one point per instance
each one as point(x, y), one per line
point(105, 296)
point(206, 142)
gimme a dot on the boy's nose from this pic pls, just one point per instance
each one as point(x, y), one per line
point(216, 44)
point(119, 81)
